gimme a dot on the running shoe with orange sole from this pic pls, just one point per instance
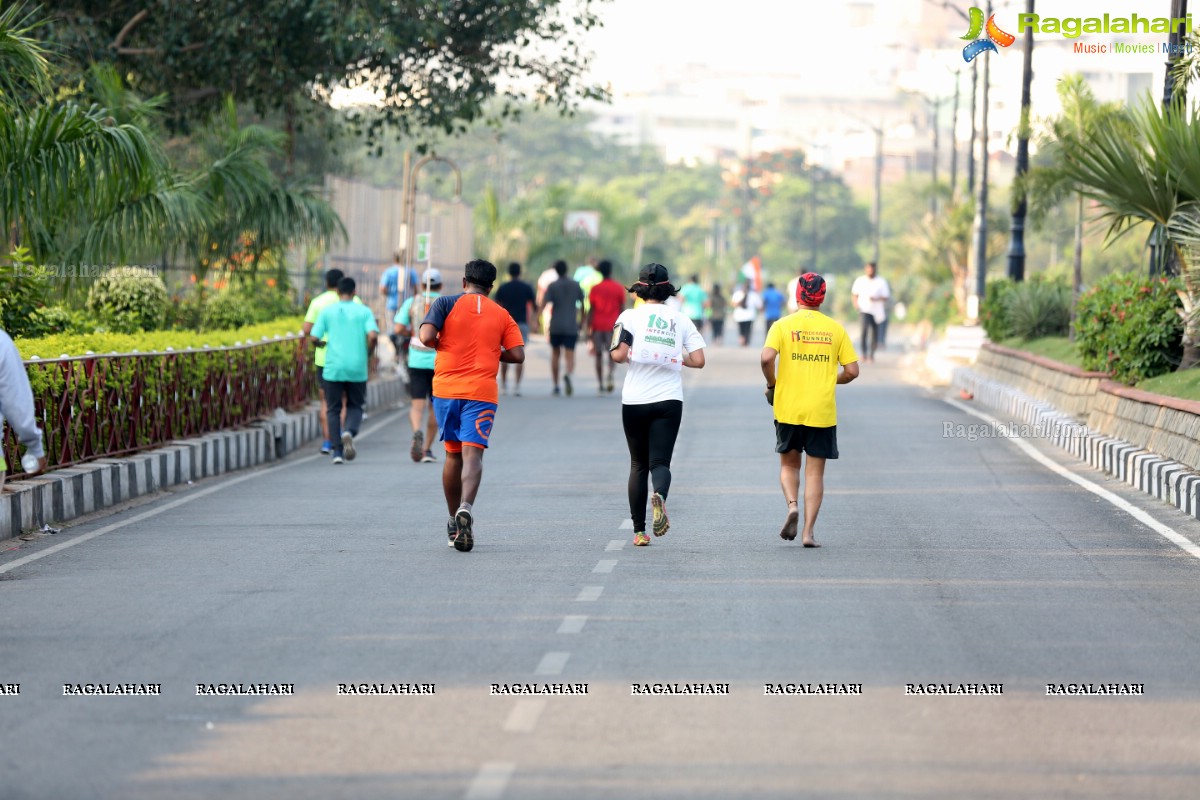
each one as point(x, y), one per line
point(661, 523)
point(640, 540)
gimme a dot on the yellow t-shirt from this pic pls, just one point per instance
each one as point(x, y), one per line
point(810, 347)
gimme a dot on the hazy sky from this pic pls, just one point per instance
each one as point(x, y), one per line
point(639, 36)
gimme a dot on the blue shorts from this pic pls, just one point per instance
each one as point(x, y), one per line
point(464, 422)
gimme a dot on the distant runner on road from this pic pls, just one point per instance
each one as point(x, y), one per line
point(809, 346)
point(519, 300)
point(472, 335)
point(657, 342)
point(606, 301)
point(352, 334)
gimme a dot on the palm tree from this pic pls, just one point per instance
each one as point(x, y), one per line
point(1147, 172)
point(254, 213)
point(64, 165)
point(1048, 184)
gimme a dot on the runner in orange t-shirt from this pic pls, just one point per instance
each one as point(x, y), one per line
point(472, 335)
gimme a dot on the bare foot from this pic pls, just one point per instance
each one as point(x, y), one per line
point(811, 543)
point(788, 531)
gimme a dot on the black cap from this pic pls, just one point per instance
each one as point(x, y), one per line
point(653, 274)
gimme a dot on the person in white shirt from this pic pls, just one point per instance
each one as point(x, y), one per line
point(870, 294)
point(657, 341)
point(746, 304)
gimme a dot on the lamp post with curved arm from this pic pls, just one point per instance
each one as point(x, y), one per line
point(409, 209)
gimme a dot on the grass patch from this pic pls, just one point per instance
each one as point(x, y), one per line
point(1184, 385)
point(1059, 348)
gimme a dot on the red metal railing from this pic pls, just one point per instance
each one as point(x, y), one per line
point(111, 405)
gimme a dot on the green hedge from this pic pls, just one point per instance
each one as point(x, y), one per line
point(78, 344)
point(92, 407)
point(1129, 326)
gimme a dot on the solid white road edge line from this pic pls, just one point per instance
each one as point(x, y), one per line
point(1163, 530)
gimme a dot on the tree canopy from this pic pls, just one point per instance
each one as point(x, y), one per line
point(432, 65)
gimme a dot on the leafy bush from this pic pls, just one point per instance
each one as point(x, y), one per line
point(227, 310)
point(1038, 307)
point(1129, 326)
point(245, 305)
point(993, 313)
point(129, 299)
point(1035, 307)
point(24, 287)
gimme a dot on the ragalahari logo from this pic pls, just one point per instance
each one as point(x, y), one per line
point(994, 37)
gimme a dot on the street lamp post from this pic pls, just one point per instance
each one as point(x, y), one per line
point(877, 204)
point(936, 105)
point(409, 208)
point(1016, 248)
point(974, 99)
point(954, 140)
point(981, 224)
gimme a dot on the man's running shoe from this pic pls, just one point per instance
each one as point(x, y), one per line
point(428, 458)
point(418, 447)
point(451, 531)
point(326, 447)
point(609, 385)
point(464, 541)
point(337, 459)
point(640, 539)
point(661, 523)
point(557, 391)
point(567, 385)
point(348, 445)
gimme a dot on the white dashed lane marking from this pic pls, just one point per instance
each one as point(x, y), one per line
point(491, 781)
point(604, 566)
point(573, 623)
point(552, 663)
point(614, 545)
point(524, 716)
point(589, 593)
point(627, 525)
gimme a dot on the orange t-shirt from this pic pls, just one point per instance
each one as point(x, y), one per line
point(472, 330)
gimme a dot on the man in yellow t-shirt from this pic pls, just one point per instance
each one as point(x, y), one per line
point(809, 347)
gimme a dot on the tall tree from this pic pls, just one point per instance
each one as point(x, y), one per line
point(430, 65)
point(1147, 172)
point(1048, 183)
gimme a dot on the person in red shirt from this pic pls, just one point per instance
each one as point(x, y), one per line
point(472, 335)
point(606, 301)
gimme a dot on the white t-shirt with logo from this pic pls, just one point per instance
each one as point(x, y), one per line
point(661, 337)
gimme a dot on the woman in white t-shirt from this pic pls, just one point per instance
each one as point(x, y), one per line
point(657, 341)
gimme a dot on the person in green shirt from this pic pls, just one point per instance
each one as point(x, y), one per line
point(694, 302)
point(319, 303)
point(352, 334)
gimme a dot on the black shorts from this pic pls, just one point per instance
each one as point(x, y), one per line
point(817, 442)
point(567, 340)
point(420, 383)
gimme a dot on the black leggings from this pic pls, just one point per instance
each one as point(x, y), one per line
point(650, 432)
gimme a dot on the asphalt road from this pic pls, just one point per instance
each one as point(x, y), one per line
point(945, 561)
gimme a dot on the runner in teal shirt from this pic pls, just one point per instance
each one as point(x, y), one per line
point(352, 336)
